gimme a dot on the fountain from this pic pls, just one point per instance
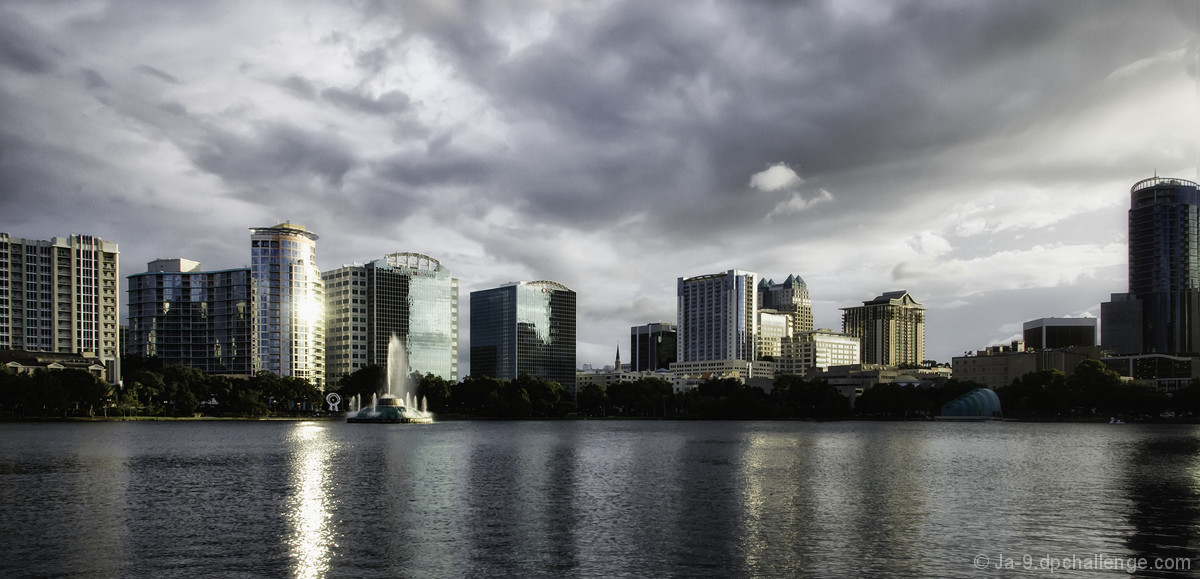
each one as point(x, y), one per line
point(393, 408)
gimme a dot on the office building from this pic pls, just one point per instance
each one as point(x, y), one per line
point(790, 297)
point(407, 295)
point(717, 317)
point(1057, 333)
point(890, 328)
point(1164, 272)
point(524, 328)
point(808, 352)
point(60, 296)
point(188, 317)
point(773, 328)
point(652, 346)
point(289, 302)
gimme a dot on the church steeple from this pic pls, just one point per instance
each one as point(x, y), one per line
point(618, 366)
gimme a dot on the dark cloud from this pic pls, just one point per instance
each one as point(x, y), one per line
point(23, 47)
point(611, 144)
point(389, 103)
point(274, 152)
point(299, 86)
point(156, 73)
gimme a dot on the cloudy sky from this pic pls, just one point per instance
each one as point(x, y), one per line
point(976, 154)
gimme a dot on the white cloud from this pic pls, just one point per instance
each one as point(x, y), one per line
point(776, 177)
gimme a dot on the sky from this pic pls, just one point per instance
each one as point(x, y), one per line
point(977, 154)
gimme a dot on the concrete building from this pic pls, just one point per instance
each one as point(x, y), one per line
point(60, 296)
point(717, 317)
point(289, 303)
point(188, 317)
point(1164, 272)
point(1057, 333)
point(817, 350)
point(525, 328)
point(997, 366)
point(407, 295)
point(890, 328)
point(790, 297)
point(652, 346)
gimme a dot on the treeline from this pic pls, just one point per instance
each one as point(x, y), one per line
point(149, 389)
point(1094, 391)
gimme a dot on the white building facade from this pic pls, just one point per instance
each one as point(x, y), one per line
point(60, 295)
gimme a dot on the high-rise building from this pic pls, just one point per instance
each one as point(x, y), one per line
point(407, 295)
point(717, 317)
point(891, 329)
point(652, 347)
point(188, 317)
point(1163, 303)
point(1057, 333)
point(289, 302)
point(790, 297)
point(524, 328)
point(60, 295)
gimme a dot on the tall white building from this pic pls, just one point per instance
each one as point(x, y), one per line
point(289, 303)
point(717, 317)
point(409, 295)
point(60, 295)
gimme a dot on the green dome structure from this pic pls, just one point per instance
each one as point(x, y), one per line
point(981, 402)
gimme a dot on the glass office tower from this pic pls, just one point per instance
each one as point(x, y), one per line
point(187, 317)
point(1164, 264)
point(408, 295)
point(524, 328)
point(289, 303)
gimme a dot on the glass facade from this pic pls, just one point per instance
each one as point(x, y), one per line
point(192, 318)
point(289, 303)
point(524, 328)
point(653, 346)
point(409, 295)
point(1164, 263)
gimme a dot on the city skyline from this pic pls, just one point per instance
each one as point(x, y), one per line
point(614, 147)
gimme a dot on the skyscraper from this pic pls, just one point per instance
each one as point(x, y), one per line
point(890, 328)
point(60, 296)
point(717, 316)
point(1159, 314)
point(524, 328)
point(289, 301)
point(790, 297)
point(188, 317)
point(409, 295)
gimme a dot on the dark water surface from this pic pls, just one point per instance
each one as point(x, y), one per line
point(595, 499)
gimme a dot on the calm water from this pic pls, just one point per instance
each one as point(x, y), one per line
point(592, 499)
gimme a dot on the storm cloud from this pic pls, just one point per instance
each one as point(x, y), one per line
point(975, 154)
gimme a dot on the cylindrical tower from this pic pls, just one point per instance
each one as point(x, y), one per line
point(1164, 262)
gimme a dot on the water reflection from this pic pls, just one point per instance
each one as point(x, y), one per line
point(1163, 481)
point(309, 506)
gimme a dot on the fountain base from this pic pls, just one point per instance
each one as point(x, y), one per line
point(390, 410)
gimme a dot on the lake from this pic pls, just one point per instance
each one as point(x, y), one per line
point(597, 499)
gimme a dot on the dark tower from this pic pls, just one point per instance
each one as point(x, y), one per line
point(1164, 263)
